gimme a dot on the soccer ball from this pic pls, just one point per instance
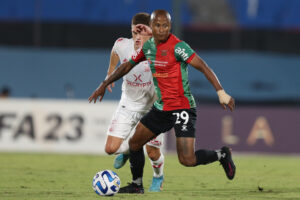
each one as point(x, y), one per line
point(106, 183)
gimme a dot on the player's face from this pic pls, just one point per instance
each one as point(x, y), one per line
point(161, 27)
point(137, 38)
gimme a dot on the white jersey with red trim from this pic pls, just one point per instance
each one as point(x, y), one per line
point(138, 93)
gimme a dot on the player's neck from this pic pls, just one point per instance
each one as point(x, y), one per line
point(136, 47)
point(158, 42)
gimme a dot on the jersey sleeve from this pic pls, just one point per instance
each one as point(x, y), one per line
point(183, 52)
point(139, 56)
point(116, 46)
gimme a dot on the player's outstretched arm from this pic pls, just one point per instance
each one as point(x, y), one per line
point(224, 98)
point(116, 75)
point(113, 62)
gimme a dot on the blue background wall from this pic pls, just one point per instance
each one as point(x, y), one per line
point(267, 13)
point(86, 11)
point(246, 75)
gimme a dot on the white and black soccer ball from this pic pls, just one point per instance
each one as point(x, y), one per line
point(106, 183)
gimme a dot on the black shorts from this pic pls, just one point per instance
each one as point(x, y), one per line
point(182, 120)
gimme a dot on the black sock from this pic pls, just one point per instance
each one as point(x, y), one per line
point(137, 162)
point(204, 157)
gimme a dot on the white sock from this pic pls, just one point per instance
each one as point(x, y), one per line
point(138, 181)
point(220, 154)
point(158, 166)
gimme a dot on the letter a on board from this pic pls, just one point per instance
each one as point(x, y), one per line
point(261, 130)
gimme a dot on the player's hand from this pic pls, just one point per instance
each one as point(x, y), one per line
point(230, 105)
point(99, 92)
point(226, 100)
point(143, 30)
point(110, 86)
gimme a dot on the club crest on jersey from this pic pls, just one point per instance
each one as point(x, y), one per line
point(164, 52)
point(182, 53)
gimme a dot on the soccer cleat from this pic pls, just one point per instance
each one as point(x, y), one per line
point(132, 188)
point(227, 162)
point(156, 185)
point(120, 160)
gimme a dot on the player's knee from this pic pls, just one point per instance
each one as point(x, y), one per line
point(153, 155)
point(185, 161)
point(110, 149)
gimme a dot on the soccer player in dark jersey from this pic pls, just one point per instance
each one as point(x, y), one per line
point(169, 57)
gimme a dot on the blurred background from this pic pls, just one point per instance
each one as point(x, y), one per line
point(54, 53)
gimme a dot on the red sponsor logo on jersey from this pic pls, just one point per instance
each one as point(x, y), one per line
point(137, 77)
point(119, 40)
point(125, 60)
point(160, 75)
point(135, 84)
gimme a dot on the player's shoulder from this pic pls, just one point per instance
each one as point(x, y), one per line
point(148, 43)
point(174, 39)
point(123, 41)
point(121, 44)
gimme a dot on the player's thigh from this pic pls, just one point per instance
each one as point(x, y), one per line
point(122, 124)
point(158, 121)
point(113, 144)
point(140, 137)
point(185, 135)
point(185, 122)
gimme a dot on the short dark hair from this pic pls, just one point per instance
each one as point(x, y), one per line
point(141, 18)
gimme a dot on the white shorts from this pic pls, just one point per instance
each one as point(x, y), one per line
point(124, 122)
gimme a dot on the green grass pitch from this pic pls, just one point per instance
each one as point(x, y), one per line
point(56, 176)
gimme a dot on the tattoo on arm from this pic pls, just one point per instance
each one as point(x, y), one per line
point(118, 73)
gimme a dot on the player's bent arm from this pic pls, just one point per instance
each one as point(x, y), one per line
point(224, 98)
point(200, 65)
point(113, 62)
point(117, 74)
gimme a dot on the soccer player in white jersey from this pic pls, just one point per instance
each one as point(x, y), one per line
point(137, 98)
